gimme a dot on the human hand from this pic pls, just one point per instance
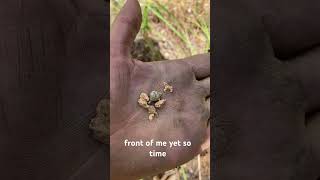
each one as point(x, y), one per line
point(266, 92)
point(53, 74)
point(184, 116)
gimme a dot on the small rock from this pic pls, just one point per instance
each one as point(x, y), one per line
point(155, 96)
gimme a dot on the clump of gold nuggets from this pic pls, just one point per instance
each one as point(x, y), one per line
point(154, 100)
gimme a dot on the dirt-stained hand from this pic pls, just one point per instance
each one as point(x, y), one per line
point(184, 116)
point(267, 90)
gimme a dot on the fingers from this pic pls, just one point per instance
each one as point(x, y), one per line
point(125, 28)
point(306, 68)
point(200, 65)
point(205, 86)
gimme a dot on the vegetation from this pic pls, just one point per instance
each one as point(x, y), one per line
point(181, 27)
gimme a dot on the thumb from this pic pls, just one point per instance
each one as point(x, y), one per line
point(125, 28)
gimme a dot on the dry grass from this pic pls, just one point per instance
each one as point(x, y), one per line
point(173, 29)
point(181, 27)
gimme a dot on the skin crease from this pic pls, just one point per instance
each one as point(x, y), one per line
point(184, 117)
point(266, 94)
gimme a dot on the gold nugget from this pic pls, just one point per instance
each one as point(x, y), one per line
point(144, 96)
point(152, 110)
point(159, 103)
point(143, 100)
point(151, 116)
point(167, 87)
point(143, 103)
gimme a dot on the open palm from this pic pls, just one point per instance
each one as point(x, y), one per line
point(183, 117)
point(263, 103)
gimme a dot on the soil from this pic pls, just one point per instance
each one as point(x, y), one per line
point(99, 124)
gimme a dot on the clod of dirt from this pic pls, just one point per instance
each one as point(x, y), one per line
point(146, 50)
point(99, 124)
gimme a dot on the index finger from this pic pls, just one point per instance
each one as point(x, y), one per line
point(200, 65)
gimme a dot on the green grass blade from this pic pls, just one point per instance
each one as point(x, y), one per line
point(162, 18)
point(183, 36)
point(145, 19)
point(183, 172)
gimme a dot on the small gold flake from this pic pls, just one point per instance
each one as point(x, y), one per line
point(152, 110)
point(151, 117)
point(167, 87)
point(159, 103)
point(144, 96)
point(143, 100)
